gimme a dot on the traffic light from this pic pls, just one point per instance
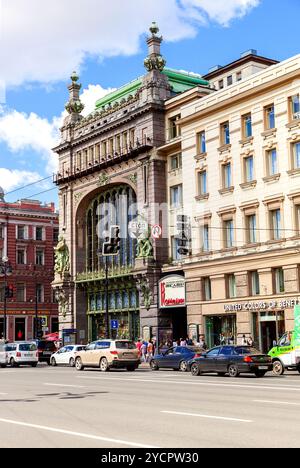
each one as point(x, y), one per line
point(39, 327)
point(111, 245)
point(9, 292)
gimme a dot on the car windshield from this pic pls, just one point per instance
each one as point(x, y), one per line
point(27, 347)
point(125, 345)
point(246, 350)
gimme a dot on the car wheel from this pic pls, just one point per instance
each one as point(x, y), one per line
point(259, 374)
point(104, 365)
point(154, 366)
point(72, 362)
point(53, 362)
point(49, 363)
point(78, 364)
point(195, 370)
point(298, 368)
point(278, 368)
point(131, 368)
point(183, 366)
point(4, 365)
point(233, 370)
point(12, 363)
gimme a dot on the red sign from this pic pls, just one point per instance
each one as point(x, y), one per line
point(172, 292)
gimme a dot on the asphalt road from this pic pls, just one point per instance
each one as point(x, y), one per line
point(61, 407)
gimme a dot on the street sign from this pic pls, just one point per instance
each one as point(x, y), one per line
point(156, 231)
point(138, 228)
point(183, 236)
point(114, 324)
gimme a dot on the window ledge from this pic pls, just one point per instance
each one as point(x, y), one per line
point(248, 185)
point(175, 172)
point(224, 191)
point(276, 241)
point(294, 172)
point(250, 246)
point(228, 249)
point(200, 156)
point(224, 148)
point(293, 123)
point(269, 133)
point(246, 141)
point(202, 197)
point(272, 178)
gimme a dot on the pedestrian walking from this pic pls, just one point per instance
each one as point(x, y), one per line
point(189, 342)
point(250, 341)
point(144, 351)
point(244, 340)
point(150, 350)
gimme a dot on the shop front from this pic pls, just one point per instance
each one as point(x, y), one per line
point(221, 329)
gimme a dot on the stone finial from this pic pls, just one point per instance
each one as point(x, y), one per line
point(74, 106)
point(155, 60)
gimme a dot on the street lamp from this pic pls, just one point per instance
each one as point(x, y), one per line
point(5, 271)
point(35, 331)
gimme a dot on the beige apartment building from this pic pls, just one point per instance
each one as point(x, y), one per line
point(234, 172)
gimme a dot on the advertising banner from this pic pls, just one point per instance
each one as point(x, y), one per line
point(297, 326)
point(172, 292)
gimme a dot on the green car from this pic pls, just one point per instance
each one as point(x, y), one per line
point(285, 355)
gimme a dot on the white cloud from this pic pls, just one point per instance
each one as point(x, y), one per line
point(10, 179)
point(45, 41)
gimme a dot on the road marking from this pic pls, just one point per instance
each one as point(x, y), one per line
point(76, 434)
point(63, 385)
point(277, 402)
point(205, 383)
point(207, 416)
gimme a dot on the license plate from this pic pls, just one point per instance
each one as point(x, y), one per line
point(263, 368)
point(27, 355)
point(128, 355)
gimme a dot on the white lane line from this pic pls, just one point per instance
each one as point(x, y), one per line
point(205, 383)
point(63, 385)
point(271, 402)
point(76, 434)
point(207, 416)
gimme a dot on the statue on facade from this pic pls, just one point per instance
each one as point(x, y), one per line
point(143, 286)
point(63, 302)
point(145, 246)
point(62, 257)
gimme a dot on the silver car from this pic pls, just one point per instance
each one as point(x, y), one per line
point(22, 353)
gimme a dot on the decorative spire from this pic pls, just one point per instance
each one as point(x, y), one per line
point(74, 106)
point(2, 194)
point(155, 60)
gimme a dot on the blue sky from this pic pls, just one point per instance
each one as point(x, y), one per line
point(196, 39)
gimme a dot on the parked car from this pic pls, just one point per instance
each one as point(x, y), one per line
point(66, 356)
point(3, 360)
point(286, 354)
point(175, 358)
point(108, 354)
point(45, 350)
point(232, 360)
point(21, 353)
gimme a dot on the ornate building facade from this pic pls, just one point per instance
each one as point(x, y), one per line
point(111, 173)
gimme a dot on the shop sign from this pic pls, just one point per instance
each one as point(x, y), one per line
point(172, 292)
point(297, 325)
point(288, 303)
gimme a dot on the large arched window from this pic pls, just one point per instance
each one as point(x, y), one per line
point(116, 206)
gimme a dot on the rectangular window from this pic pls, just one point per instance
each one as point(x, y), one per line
point(270, 117)
point(1, 233)
point(295, 107)
point(229, 80)
point(40, 293)
point(275, 216)
point(132, 138)
point(175, 247)
point(231, 286)
point(239, 76)
point(204, 233)
point(176, 196)
point(279, 281)
point(248, 168)
point(296, 155)
point(255, 285)
point(297, 219)
point(202, 142)
point(55, 235)
point(272, 162)
point(221, 84)
point(174, 130)
point(251, 229)
point(247, 126)
point(39, 257)
point(21, 292)
point(176, 162)
point(207, 289)
point(39, 233)
point(202, 183)
point(225, 134)
point(228, 234)
point(21, 232)
point(227, 182)
point(21, 257)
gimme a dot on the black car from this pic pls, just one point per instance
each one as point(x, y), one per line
point(45, 350)
point(174, 358)
point(232, 360)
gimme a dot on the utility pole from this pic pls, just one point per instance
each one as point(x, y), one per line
point(5, 271)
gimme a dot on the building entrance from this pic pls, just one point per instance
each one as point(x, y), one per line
point(20, 329)
point(179, 323)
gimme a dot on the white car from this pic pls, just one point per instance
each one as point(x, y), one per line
point(66, 356)
point(2, 354)
point(21, 353)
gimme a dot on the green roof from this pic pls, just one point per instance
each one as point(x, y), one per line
point(179, 80)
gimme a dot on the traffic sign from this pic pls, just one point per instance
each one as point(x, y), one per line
point(114, 324)
point(156, 231)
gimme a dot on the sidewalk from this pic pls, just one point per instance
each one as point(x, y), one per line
point(144, 365)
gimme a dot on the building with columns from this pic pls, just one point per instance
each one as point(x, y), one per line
point(238, 179)
point(110, 173)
